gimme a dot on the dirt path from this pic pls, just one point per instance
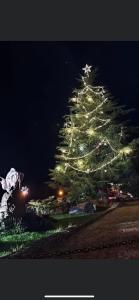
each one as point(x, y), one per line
point(108, 236)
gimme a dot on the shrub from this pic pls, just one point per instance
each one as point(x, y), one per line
point(33, 222)
point(12, 225)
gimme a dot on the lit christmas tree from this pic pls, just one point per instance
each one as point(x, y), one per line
point(91, 148)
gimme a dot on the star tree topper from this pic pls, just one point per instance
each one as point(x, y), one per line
point(87, 70)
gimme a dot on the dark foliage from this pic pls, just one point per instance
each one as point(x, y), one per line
point(32, 222)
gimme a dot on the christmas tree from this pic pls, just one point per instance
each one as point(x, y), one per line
point(92, 148)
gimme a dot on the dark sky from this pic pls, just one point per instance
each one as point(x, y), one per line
point(36, 80)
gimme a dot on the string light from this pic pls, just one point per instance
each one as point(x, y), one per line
point(82, 147)
point(98, 168)
point(85, 155)
point(126, 150)
point(63, 150)
point(90, 99)
point(78, 161)
point(58, 168)
point(90, 132)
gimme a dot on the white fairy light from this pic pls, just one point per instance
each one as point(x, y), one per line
point(58, 168)
point(85, 155)
point(90, 131)
point(63, 150)
point(74, 99)
point(90, 99)
point(105, 123)
point(97, 169)
point(82, 147)
point(126, 150)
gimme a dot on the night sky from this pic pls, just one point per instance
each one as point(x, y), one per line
point(36, 80)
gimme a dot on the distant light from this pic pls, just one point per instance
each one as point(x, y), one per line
point(24, 191)
point(61, 192)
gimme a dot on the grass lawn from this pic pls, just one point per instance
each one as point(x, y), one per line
point(67, 220)
point(12, 242)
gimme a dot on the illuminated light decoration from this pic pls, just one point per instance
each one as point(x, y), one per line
point(59, 169)
point(24, 190)
point(87, 69)
point(112, 148)
point(69, 130)
point(105, 171)
point(85, 155)
point(63, 150)
point(80, 163)
point(90, 99)
point(84, 81)
point(91, 112)
point(60, 192)
point(78, 115)
point(126, 150)
point(74, 99)
point(90, 132)
point(82, 147)
point(94, 110)
point(84, 108)
point(97, 169)
point(105, 123)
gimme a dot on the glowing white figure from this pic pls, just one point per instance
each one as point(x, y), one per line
point(9, 184)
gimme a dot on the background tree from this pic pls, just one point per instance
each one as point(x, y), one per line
point(93, 148)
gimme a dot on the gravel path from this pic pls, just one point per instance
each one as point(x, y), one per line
point(116, 235)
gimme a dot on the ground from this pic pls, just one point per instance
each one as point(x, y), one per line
point(16, 240)
point(115, 235)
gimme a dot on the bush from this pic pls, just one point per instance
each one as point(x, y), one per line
point(41, 207)
point(12, 225)
point(33, 222)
